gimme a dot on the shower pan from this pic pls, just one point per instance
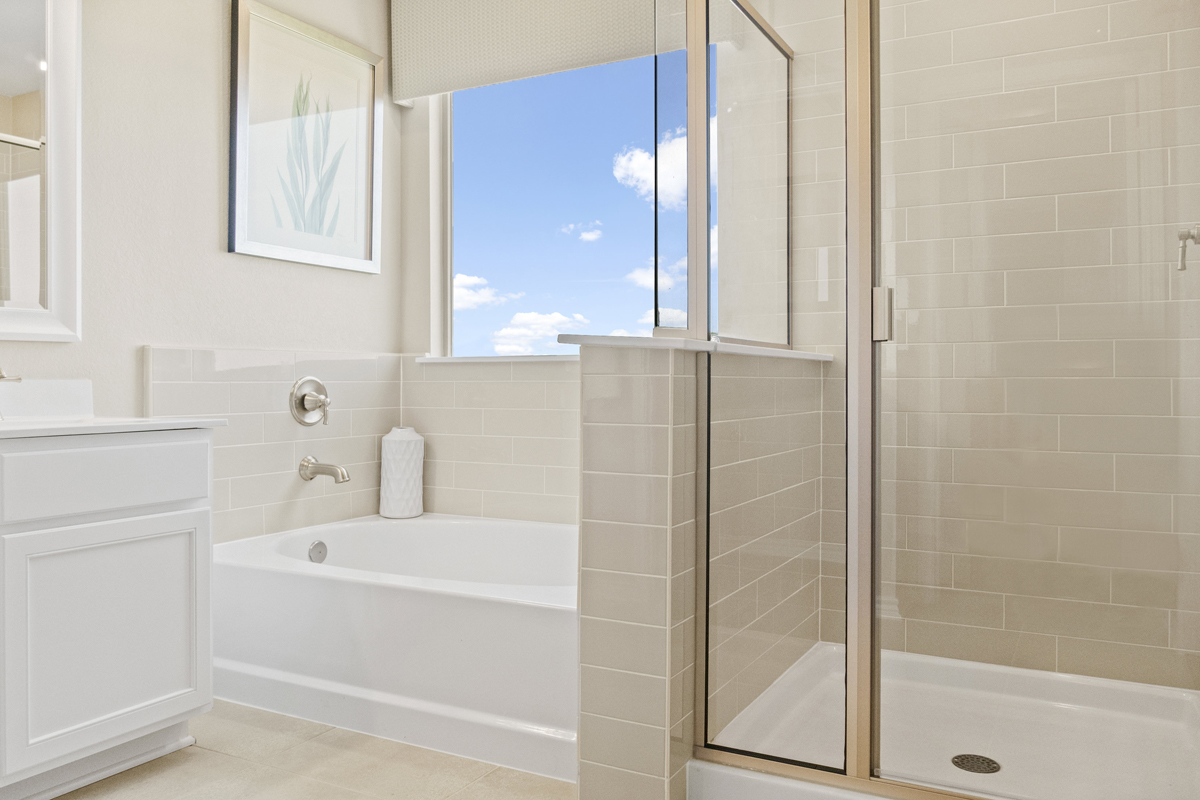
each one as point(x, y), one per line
point(995, 585)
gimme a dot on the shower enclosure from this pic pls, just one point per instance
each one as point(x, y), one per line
point(983, 576)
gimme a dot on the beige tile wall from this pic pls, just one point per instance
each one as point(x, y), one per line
point(637, 578)
point(1042, 429)
point(501, 439)
point(764, 524)
point(750, 164)
point(815, 29)
point(503, 444)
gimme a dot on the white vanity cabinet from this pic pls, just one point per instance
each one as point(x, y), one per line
point(105, 552)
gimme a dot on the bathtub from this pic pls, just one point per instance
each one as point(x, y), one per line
point(458, 634)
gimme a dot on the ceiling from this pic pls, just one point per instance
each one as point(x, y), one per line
point(22, 45)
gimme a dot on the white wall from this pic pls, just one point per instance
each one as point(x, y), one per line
point(155, 165)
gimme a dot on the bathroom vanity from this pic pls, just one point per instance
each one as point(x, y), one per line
point(105, 553)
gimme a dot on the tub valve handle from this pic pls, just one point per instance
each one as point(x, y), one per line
point(317, 402)
point(309, 401)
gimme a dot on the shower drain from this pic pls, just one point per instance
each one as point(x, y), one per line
point(974, 763)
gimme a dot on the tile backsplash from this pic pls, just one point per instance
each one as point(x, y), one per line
point(501, 439)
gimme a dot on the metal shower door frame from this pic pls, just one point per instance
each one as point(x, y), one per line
point(862, 250)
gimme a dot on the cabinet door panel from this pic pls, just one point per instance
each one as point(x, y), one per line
point(106, 631)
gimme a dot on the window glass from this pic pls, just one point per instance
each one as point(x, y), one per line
point(554, 185)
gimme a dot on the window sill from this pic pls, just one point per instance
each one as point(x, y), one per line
point(673, 343)
point(491, 359)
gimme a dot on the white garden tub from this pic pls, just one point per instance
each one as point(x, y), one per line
point(454, 633)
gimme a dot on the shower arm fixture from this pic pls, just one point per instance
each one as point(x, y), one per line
point(1192, 234)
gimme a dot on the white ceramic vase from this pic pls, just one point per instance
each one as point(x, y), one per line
point(401, 474)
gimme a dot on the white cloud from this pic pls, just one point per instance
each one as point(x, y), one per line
point(673, 317)
point(672, 171)
point(467, 296)
point(668, 317)
point(529, 330)
point(643, 277)
point(634, 167)
point(712, 248)
point(588, 231)
point(623, 332)
point(712, 149)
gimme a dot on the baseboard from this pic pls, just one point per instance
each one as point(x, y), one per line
point(97, 767)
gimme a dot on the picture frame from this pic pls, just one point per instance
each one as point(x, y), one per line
point(306, 143)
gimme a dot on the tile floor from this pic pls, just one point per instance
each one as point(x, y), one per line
point(245, 753)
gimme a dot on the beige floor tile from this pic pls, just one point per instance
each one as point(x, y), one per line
point(379, 767)
point(267, 783)
point(250, 733)
point(509, 784)
point(172, 777)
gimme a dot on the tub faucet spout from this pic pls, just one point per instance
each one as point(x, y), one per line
point(311, 468)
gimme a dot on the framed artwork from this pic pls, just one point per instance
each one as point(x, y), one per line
point(306, 143)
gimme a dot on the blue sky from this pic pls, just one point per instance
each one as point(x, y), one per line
point(553, 206)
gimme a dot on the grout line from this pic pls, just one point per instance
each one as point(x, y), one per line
point(462, 789)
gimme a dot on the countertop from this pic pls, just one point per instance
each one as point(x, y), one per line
point(28, 427)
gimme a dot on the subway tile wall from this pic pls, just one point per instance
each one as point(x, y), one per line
point(503, 441)
point(637, 578)
point(764, 525)
point(815, 29)
point(750, 78)
point(1042, 460)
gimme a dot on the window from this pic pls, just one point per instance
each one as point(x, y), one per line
point(569, 191)
point(553, 207)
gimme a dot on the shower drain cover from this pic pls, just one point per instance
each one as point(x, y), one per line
point(974, 763)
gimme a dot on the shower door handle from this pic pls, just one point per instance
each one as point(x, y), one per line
point(881, 313)
point(1185, 236)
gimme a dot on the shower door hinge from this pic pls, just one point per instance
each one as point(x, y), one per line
point(881, 313)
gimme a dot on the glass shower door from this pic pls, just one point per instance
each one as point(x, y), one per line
point(1038, 541)
point(775, 681)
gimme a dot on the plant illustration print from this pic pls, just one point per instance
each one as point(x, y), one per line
point(310, 170)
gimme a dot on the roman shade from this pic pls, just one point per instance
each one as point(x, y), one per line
point(446, 45)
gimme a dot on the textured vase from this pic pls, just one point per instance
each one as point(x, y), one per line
point(401, 474)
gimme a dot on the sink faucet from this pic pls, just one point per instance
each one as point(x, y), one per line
point(311, 468)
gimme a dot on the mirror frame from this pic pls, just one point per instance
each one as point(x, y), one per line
point(62, 321)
